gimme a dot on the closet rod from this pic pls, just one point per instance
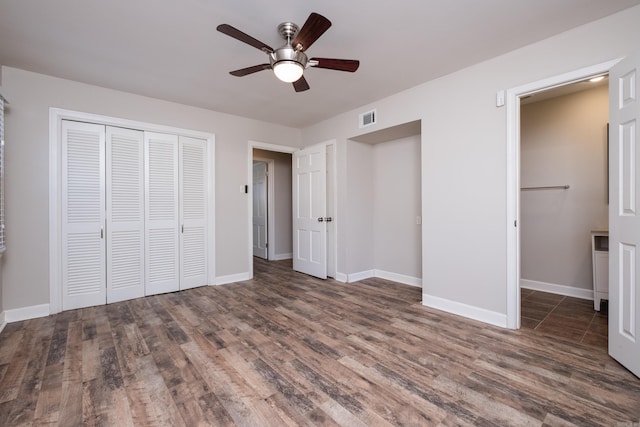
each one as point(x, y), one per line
point(547, 187)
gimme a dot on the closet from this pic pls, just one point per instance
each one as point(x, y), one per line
point(134, 213)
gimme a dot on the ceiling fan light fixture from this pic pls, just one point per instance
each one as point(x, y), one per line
point(288, 71)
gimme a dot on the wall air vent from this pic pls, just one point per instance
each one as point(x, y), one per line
point(367, 119)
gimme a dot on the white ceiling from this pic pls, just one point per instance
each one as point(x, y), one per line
point(170, 49)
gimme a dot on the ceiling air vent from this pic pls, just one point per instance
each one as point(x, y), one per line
point(367, 119)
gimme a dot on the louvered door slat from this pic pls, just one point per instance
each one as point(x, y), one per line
point(83, 214)
point(193, 212)
point(125, 214)
point(161, 212)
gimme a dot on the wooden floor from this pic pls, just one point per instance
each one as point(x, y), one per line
point(286, 349)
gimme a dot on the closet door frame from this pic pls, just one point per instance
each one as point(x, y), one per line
point(56, 116)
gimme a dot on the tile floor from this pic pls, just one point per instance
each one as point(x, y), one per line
point(572, 319)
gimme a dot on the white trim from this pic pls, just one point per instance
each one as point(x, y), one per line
point(400, 278)
point(26, 313)
point(280, 257)
point(55, 206)
point(261, 146)
point(56, 115)
point(341, 277)
point(3, 321)
point(336, 217)
point(513, 175)
point(553, 288)
point(361, 275)
point(233, 278)
point(468, 311)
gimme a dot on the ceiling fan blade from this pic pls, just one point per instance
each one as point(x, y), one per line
point(250, 70)
point(313, 28)
point(245, 38)
point(301, 85)
point(349, 65)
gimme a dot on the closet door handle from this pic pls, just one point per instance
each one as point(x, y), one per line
point(102, 232)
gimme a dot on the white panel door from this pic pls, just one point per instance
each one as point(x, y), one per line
point(624, 218)
point(83, 215)
point(125, 214)
point(193, 212)
point(259, 194)
point(161, 213)
point(309, 211)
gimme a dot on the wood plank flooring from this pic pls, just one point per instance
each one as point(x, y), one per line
point(286, 349)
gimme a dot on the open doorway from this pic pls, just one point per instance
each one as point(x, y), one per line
point(271, 205)
point(513, 98)
point(277, 206)
point(563, 207)
point(276, 162)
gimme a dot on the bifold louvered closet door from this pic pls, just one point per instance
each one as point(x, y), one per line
point(84, 279)
point(176, 212)
point(128, 200)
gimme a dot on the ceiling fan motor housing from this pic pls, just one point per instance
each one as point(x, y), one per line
point(289, 54)
point(288, 31)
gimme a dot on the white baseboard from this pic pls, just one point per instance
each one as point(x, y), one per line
point(557, 289)
point(282, 257)
point(381, 274)
point(400, 278)
point(26, 313)
point(361, 275)
point(3, 322)
point(341, 277)
point(232, 278)
point(469, 311)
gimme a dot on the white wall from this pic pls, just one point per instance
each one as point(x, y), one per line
point(283, 234)
point(383, 200)
point(464, 160)
point(26, 261)
point(563, 141)
point(359, 205)
point(396, 203)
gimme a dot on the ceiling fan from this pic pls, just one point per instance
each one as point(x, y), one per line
point(289, 61)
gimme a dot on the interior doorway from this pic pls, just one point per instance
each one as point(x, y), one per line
point(271, 205)
point(513, 99)
point(563, 202)
point(279, 203)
